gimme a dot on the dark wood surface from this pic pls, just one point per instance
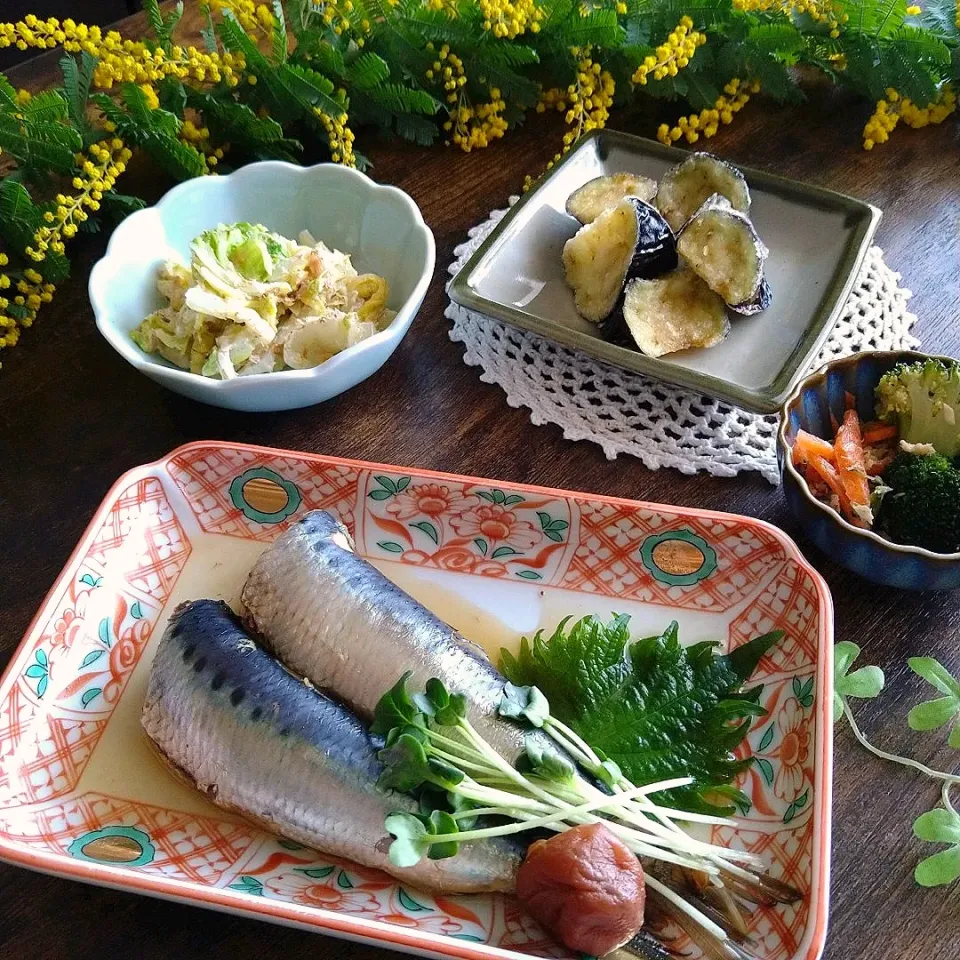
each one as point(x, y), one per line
point(73, 416)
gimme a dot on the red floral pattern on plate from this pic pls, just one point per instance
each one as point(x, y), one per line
point(466, 527)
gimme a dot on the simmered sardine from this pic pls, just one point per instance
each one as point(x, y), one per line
point(329, 615)
point(259, 741)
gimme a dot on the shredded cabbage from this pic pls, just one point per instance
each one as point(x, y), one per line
point(252, 301)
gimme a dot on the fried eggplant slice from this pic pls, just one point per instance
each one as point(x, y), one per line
point(722, 247)
point(630, 240)
point(599, 195)
point(684, 188)
point(760, 301)
point(675, 312)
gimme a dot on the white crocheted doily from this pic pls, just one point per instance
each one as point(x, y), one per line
point(663, 425)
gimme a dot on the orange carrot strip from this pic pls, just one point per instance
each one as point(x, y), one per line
point(850, 460)
point(807, 445)
point(876, 432)
point(828, 473)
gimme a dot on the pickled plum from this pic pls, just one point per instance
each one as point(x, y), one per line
point(586, 887)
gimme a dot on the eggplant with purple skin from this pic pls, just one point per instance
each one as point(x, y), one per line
point(630, 240)
point(722, 247)
point(599, 195)
point(684, 188)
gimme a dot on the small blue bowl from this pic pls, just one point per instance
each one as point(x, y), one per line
point(817, 405)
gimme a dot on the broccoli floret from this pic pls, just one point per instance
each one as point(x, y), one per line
point(923, 399)
point(923, 505)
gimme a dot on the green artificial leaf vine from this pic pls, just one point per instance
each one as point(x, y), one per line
point(942, 824)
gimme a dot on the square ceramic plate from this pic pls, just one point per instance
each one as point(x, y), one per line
point(82, 796)
point(817, 240)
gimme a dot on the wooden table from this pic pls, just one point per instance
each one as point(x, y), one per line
point(73, 416)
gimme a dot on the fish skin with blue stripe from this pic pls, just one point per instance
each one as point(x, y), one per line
point(257, 740)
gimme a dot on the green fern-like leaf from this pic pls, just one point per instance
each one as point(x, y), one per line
point(403, 100)
point(237, 124)
point(600, 28)
point(781, 41)
point(863, 72)
point(417, 129)
point(554, 12)
point(397, 44)
point(172, 95)
point(47, 105)
point(19, 216)
point(776, 80)
point(700, 92)
point(118, 206)
point(208, 32)
point(278, 42)
point(8, 96)
point(283, 102)
point(941, 18)
point(873, 18)
point(162, 26)
point(439, 27)
point(55, 267)
point(512, 85)
point(914, 78)
point(923, 46)
point(509, 54)
point(77, 78)
point(326, 58)
point(310, 88)
point(40, 146)
point(711, 15)
point(154, 17)
point(235, 39)
point(890, 14)
point(182, 161)
point(367, 71)
point(159, 121)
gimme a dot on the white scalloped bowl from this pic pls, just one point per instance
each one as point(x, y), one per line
point(380, 227)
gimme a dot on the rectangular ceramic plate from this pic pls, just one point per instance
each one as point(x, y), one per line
point(817, 241)
point(82, 796)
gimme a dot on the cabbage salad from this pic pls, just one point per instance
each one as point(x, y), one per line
point(252, 301)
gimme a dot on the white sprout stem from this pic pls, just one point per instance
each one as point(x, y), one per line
point(689, 853)
point(484, 748)
point(948, 778)
point(657, 835)
point(501, 798)
point(487, 812)
point(736, 871)
point(556, 816)
point(670, 831)
point(643, 849)
point(571, 742)
point(672, 835)
point(643, 841)
point(718, 854)
point(691, 911)
point(460, 762)
point(457, 747)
